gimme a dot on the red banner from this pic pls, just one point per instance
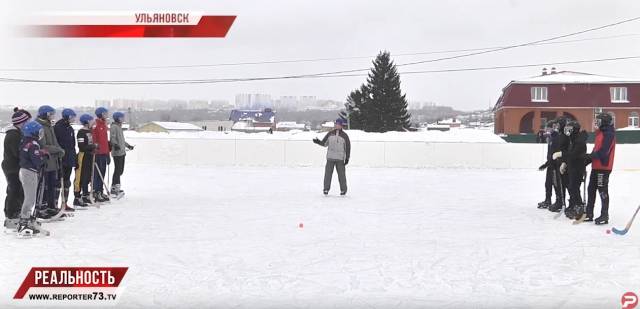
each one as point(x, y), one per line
point(208, 27)
point(56, 277)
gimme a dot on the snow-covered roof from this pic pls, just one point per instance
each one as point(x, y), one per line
point(177, 126)
point(328, 124)
point(569, 77)
point(290, 124)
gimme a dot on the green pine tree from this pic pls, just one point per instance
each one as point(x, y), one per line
point(379, 105)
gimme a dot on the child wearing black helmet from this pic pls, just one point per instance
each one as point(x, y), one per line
point(601, 159)
point(84, 163)
point(573, 166)
point(551, 179)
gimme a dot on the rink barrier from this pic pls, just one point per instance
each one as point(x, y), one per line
point(299, 153)
point(407, 154)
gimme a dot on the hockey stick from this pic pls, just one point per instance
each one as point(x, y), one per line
point(40, 193)
point(101, 177)
point(626, 229)
point(93, 170)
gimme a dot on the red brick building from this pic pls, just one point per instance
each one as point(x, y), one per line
point(525, 105)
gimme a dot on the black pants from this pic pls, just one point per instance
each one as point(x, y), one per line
point(83, 175)
point(51, 185)
point(119, 169)
point(66, 182)
point(550, 184)
point(328, 174)
point(598, 180)
point(101, 162)
point(575, 180)
point(15, 197)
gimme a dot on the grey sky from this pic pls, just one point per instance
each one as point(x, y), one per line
point(279, 30)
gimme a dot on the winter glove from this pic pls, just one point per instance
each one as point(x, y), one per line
point(556, 155)
point(563, 168)
point(346, 161)
point(116, 147)
point(44, 153)
point(108, 159)
point(587, 159)
point(109, 147)
point(130, 147)
point(317, 141)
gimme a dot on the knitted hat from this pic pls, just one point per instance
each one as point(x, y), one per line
point(20, 116)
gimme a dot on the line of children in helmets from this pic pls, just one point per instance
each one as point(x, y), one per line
point(39, 158)
point(566, 163)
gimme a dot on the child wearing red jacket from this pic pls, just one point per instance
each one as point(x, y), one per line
point(102, 158)
point(601, 159)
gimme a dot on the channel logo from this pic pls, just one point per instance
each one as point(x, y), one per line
point(629, 300)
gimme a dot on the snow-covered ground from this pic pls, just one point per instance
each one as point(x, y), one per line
point(198, 237)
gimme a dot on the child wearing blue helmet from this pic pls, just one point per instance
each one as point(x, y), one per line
point(338, 153)
point(32, 161)
point(84, 163)
point(67, 140)
point(52, 166)
point(118, 151)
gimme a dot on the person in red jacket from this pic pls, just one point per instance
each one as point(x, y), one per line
point(601, 159)
point(102, 158)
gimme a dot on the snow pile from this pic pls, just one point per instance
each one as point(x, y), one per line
point(178, 126)
point(197, 237)
point(568, 77)
point(454, 135)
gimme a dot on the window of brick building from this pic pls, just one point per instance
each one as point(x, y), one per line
point(634, 120)
point(539, 94)
point(619, 95)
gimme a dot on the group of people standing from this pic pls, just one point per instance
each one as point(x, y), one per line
point(40, 156)
point(566, 163)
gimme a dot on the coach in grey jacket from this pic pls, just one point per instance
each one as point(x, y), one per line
point(338, 152)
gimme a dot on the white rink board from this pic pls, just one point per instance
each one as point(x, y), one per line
point(298, 153)
point(406, 154)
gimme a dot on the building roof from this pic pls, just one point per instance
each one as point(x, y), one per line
point(570, 77)
point(266, 115)
point(177, 126)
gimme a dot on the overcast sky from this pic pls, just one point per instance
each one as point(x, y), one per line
point(283, 30)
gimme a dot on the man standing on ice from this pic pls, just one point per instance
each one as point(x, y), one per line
point(601, 159)
point(338, 152)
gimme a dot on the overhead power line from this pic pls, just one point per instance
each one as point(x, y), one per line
point(310, 60)
point(286, 77)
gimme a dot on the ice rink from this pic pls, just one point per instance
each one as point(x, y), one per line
point(402, 238)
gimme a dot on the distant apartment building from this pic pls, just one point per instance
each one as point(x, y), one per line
point(253, 101)
point(198, 104)
point(220, 104)
point(307, 102)
point(287, 102)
